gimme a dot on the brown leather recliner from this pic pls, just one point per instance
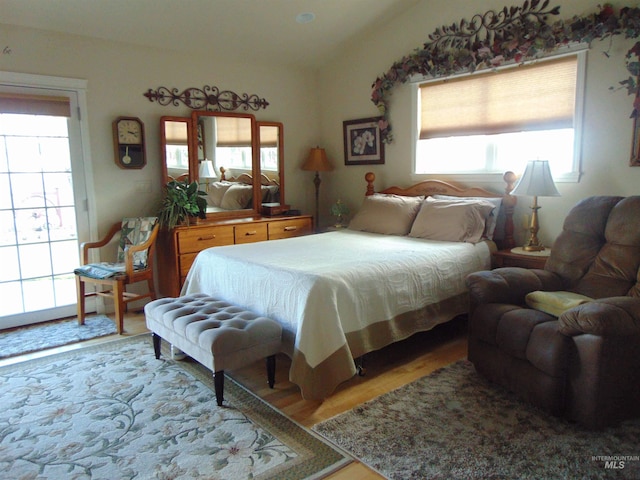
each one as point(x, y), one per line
point(584, 365)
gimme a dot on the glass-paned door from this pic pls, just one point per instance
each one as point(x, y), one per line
point(39, 218)
point(38, 237)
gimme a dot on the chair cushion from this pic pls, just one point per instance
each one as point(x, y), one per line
point(136, 231)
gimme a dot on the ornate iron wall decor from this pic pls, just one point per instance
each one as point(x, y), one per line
point(514, 34)
point(206, 98)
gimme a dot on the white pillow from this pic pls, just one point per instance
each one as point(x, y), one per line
point(451, 220)
point(216, 191)
point(385, 213)
point(492, 220)
point(237, 197)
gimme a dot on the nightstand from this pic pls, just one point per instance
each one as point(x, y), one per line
point(516, 257)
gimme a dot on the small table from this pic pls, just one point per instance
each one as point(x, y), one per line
point(517, 257)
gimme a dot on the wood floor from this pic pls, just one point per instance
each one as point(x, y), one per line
point(386, 370)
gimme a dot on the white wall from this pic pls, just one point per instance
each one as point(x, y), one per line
point(345, 89)
point(312, 105)
point(119, 74)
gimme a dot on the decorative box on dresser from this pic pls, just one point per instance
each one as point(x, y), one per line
point(177, 248)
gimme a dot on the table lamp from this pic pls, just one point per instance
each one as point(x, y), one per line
point(536, 181)
point(206, 171)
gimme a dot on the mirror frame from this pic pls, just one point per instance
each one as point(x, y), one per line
point(163, 145)
point(280, 127)
point(256, 172)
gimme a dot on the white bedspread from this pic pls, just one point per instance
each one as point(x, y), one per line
point(321, 287)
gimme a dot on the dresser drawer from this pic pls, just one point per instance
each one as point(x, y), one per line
point(290, 227)
point(253, 232)
point(193, 240)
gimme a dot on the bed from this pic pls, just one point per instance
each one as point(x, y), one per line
point(236, 193)
point(341, 294)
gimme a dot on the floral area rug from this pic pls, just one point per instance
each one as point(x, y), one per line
point(41, 336)
point(453, 424)
point(114, 411)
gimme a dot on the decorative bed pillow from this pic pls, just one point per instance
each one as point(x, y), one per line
point(492, 220)
point(388, 214)
point(237, 196)
point(216, 191)
point(555, 303)
point(451, 220)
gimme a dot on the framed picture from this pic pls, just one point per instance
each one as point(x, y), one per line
point(362, 142)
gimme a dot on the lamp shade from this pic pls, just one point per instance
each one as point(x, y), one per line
point(317, 161)
point(206, 169)
point(536, 181)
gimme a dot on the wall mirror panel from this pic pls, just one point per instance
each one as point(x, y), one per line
point(271, 143)
point(174, 138)
point(224, 158)
point(239, 162)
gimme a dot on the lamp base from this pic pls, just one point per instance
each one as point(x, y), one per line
point(533, 248)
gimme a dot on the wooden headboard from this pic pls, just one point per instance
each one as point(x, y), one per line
point(247, 178)
point(438, 187)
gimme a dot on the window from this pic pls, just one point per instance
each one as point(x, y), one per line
point(493, 122)
point(233, 141)
point(237, 157)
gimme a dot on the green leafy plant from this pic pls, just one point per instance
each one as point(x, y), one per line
point(182, 201)
point(339, 210)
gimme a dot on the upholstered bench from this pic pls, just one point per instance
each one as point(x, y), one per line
point(217, 334)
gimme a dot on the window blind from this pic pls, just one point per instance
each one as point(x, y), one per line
point(35, 104)
point(176, 133)
point(268, 137)
point(233, 132)
point(538, 96)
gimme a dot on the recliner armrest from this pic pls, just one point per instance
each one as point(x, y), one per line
point(509, 284)
point(613, 316)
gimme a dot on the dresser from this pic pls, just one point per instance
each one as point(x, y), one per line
point(177, 248)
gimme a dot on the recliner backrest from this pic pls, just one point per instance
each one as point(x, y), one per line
point(598, 252)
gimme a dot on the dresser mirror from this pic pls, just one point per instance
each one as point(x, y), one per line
point(239, 162)
point(174, 138)
point(224, 159)
point(271, 142)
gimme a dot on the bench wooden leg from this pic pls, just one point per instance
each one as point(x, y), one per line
point(218, 382)
point(271, 370)
point(156, 344)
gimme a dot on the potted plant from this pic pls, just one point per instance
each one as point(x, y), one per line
point(182, 201)
point(339, 210)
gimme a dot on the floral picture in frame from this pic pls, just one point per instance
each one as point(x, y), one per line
point(363, 142)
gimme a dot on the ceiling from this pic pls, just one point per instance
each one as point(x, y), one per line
point(258, 30)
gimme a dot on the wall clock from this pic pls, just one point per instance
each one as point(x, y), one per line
point(129, 142)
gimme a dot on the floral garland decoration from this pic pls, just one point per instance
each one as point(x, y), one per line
point(514, 34)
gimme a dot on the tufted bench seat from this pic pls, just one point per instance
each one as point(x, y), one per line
point(217, 334)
